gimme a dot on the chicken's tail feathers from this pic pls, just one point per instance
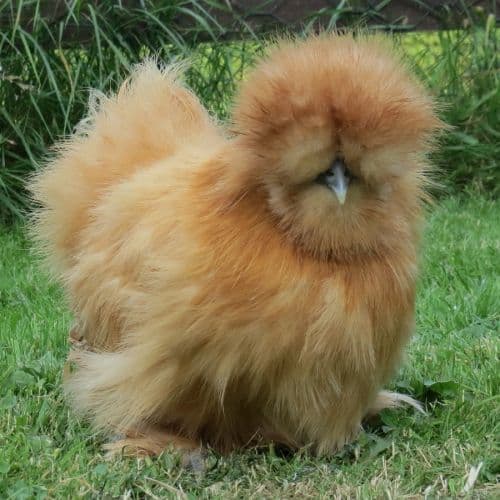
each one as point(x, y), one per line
point(389, 399)
point(153, 116)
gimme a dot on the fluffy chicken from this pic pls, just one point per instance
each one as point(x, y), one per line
point(254, 283)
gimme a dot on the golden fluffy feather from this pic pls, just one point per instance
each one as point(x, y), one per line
point(225, 295)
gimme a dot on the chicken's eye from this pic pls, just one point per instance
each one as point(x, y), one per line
point(352, 177)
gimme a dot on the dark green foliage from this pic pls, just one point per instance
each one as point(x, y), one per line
point(44, 83)
point(465, 75)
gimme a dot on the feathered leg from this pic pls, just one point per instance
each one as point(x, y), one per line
point(150, 440)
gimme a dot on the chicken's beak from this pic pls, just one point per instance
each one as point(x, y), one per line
point(337, 180)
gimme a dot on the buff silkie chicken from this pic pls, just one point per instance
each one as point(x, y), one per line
point(249, 284)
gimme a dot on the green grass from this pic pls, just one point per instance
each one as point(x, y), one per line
point(452, 364)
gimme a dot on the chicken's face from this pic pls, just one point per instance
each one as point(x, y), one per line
point(339, 132)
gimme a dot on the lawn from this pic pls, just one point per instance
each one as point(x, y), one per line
point(452, 365)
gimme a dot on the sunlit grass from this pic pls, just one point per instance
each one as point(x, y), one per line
point(452, 366)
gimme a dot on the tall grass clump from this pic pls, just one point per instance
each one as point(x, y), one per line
point(45, 76)
point(462, 69)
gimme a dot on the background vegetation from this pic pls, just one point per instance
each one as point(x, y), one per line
point(44, 80)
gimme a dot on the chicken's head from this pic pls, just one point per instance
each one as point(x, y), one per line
point(338, 131)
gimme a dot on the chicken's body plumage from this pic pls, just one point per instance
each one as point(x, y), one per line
point(209, 320)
